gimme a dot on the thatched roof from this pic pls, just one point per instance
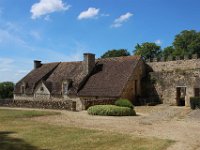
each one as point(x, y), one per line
point(108, 78)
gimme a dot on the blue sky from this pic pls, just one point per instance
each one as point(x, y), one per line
point(62, 30)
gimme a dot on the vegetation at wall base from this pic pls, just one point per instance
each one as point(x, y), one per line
point(110, 110)
point(195, 102)
point(124, 103)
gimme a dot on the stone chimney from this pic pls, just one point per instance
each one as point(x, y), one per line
point(37, 64)
point(89, 62)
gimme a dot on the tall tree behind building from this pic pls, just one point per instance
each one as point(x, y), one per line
point(115, 53)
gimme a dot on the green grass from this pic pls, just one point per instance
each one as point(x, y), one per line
point(19, 132)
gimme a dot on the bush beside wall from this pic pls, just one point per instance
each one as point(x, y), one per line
point(124, 103)
point(110, 110)
point(195, 102)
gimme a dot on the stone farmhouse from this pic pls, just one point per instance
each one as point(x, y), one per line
point(84, 81)
point(102, 81)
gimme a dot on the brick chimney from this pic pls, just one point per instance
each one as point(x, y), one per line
point(89, 62)
point(37, 64)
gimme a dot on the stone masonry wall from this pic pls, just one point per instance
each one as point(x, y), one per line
point(129, 89)
point(174, 65)
point(66, 105)
point(166, 82)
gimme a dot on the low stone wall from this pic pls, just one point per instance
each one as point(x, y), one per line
point(4, 102)
point(65, 105)
point(92, 102)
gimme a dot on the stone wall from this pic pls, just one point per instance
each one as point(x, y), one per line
point(165, 76)
point(132, 90)
point(5, 102)
point(23, 97)
point(79, 103)
point(65, 105)
point(165, 84)
point(41, 92)
point(174, 65)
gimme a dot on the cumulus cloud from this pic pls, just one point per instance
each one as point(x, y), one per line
point(44, 7)
point(158, 42)
point(88, 14)
point(123, 18)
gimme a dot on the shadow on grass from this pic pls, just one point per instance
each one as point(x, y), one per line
point(10, 143)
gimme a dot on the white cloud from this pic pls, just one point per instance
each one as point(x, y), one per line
point(123, 18)
point(44, 7)
point(158, 42)
point(90, 13)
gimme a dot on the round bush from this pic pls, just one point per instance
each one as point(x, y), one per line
point(110, 110)
point(124, 103)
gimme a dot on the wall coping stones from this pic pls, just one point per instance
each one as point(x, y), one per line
point(171, 58)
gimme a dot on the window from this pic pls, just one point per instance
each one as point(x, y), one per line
point(65, 88)
point(23, 89)
point(41, 89)
point(196, 92)
point(66, 85)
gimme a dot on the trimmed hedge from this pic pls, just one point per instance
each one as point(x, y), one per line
point(195, 102)
point(110, 110)
point(124, 103)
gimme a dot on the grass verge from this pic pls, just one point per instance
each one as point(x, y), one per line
point(19, 132)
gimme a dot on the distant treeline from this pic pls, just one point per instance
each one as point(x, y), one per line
point(185, 43)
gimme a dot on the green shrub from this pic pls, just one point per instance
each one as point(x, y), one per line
point(124, 103)
point(110, 110)
point(195, 102)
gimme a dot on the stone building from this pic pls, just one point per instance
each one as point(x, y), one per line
point(92, 80)
point(173, 82)
point(102, 81)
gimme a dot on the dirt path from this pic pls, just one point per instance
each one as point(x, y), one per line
point(166, 122)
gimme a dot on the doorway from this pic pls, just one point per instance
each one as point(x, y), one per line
point(180, 95)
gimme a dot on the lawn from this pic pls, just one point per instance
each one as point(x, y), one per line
point(19, 132)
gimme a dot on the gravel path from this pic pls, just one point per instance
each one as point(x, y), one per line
point(167, 122)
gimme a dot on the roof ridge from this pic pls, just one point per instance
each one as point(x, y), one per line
point(120, 57)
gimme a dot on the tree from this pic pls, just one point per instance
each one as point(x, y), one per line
point(187, 43)
point(147, 50)
point(115, 53)
point(168, 51)
point(6, 90)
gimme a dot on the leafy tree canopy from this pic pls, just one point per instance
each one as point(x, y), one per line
point(187, 43)
point(147, 50)
point(6, 90)
point(115, 53)
point(168, 51)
